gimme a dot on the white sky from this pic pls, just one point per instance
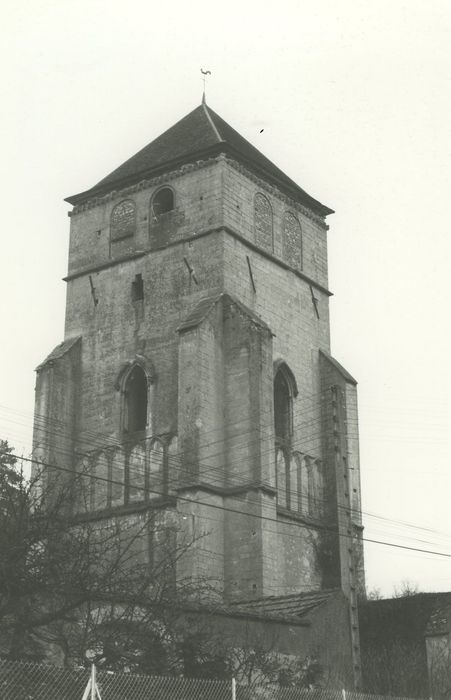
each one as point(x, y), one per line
point(354, 98)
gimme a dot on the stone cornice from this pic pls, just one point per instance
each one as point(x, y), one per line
point(163, 178)
point(143, 184)
point(164, 502)
point(228, 490)
point(105, 265)
point(196, 236)
point(308, 520)
point(276, 192)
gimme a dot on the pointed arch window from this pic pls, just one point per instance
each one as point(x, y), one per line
point(135, 401)
point(285, 390)
point(282, 408)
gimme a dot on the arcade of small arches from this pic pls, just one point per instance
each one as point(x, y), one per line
point(138, 470)
point(119, 476)
point(299, 476)
point(300, 486)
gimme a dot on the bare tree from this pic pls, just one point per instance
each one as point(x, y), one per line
point(90, 587)
point(65, 576)
point(252, 657)
point(374, 594)
point(405, 589)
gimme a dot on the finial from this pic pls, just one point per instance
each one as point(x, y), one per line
point(204, 77)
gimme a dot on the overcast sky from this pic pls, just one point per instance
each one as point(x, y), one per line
point(354, 99)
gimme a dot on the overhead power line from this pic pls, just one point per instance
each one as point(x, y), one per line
point(208, 470)
point(242, 513)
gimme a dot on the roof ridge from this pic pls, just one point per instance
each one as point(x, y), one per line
point(211, 122)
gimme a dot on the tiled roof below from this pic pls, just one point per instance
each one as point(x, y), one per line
point(59, 351)
point(293, 606)
point(344, 372)
point(201, 311)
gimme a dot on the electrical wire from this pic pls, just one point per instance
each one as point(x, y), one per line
point(215, 506)
point(174, 458)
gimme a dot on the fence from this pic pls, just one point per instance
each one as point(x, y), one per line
point(29, 681)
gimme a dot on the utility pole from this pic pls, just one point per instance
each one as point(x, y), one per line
point(92, 691)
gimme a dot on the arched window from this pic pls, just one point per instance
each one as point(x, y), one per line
point(292, 240)
point(286, 466)
point(263, 222)
point(285, 390)
point(99, 483)
point(174, 464)
point(162, 202)
point(137, 474)
point(317, 490)
point(156, 462)
point(117, 477)
point(83, 486)
point(282, 482)
point(307, 485)
point(135, 401)
point(123, 220)
point(282, 408)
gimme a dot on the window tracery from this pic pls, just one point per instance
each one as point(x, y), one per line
point(263, 222)
point(292, 239)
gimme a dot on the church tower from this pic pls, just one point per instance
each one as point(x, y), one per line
point(195, 375)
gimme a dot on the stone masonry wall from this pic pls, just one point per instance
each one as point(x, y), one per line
point(214, 209)
point(197, 207)
point(114, 332)
point(284, 302)
point(56, 409)
point(240, 189)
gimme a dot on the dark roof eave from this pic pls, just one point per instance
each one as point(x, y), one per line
point(99, 190)
point(285, 184)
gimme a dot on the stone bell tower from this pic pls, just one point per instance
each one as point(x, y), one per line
point(195, 374)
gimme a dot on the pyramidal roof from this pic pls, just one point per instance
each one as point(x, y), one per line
point(200, 134)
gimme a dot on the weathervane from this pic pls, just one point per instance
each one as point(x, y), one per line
point(204, 78)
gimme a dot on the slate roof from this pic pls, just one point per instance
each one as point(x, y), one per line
point(344, 372)
point(202, 309)
point(285, 607)
point(201, 133)
point(59, 351)
point(291, 609)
